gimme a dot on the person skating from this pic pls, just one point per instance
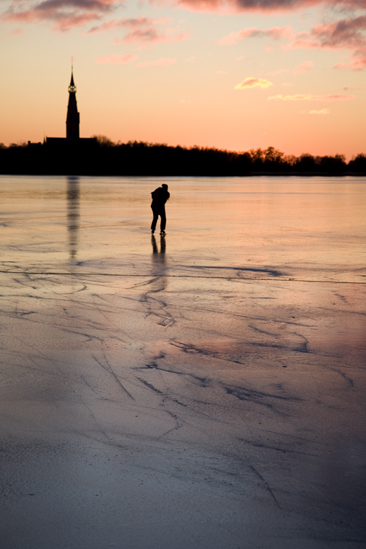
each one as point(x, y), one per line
point(159, 198)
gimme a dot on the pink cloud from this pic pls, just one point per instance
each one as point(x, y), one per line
point(130, 23)
point(157, 63)
point(276, 33)
point(266, 6)
point(152, 35)
point(252, 82)
point(61, 22)
point(304, 67)
point(348, 34)
point(143, 30)
point(116, 59)
point(312, 97)
point(357, 63)
point(338, 97)
point(64, 14)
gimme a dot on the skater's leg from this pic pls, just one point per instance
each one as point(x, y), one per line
point(162, 220)
point(154, 221)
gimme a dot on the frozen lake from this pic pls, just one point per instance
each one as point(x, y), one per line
point(202, 390)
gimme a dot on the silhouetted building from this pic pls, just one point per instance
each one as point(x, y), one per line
point(72, 123)
point(73, 117)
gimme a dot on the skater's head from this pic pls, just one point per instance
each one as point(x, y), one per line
point(165, 186)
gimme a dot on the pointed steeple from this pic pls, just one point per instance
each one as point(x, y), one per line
point(73, 117)
point(72, 87)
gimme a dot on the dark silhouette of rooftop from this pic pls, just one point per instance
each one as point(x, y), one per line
point(72, 123)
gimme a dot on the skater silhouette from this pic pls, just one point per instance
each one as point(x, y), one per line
point(159, 198)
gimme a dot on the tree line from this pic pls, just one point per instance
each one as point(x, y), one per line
point(101, 156)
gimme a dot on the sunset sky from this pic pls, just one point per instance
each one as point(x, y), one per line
point(233, 74)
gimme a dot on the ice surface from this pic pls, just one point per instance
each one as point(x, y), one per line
point(206, 390)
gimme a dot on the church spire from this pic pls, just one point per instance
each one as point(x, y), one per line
point(72, 87)
point(73, 116)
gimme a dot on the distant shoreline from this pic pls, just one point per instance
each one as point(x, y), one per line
point(101, 157)
point(264, 174)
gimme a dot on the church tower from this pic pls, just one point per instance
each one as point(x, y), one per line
point(73, 117)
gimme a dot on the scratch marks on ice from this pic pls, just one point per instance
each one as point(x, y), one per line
point(107, 366)
point(157, 306)
point(258, 397)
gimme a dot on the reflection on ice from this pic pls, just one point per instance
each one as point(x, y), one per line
point(205, 389)
point(73, 197)
point(161, 258)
